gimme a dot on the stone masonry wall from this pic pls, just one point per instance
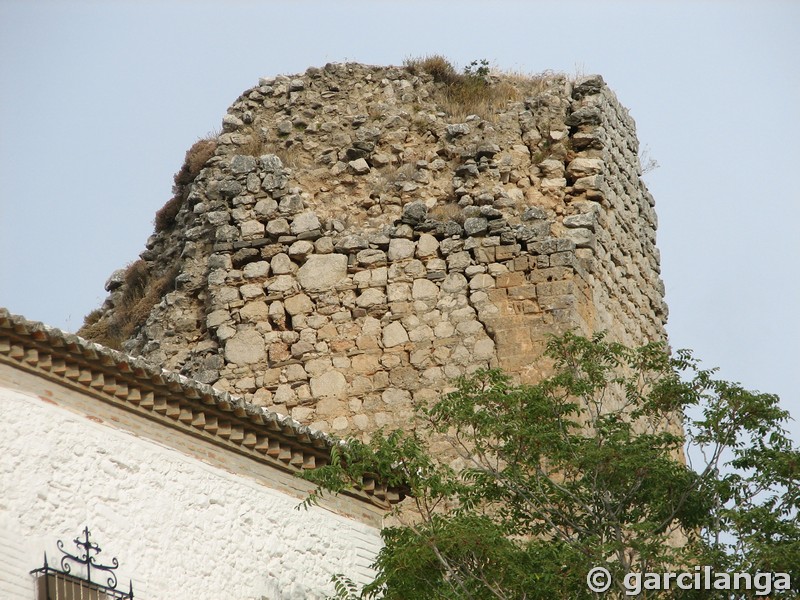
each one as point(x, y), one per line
point(352, 247)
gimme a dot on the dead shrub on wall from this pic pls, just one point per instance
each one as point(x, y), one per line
point(448, 211)
point(290, 152)
point(472, 92)
point(196, 158)
point(141, 291)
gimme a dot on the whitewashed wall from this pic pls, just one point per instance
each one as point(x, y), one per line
point(181, 528)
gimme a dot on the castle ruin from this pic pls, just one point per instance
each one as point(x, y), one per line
point(356, 238)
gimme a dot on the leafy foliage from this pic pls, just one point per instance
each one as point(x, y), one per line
point(584, 469)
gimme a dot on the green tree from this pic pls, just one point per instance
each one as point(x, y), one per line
point(582, 470)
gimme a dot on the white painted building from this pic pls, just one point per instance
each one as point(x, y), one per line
point(192, 490)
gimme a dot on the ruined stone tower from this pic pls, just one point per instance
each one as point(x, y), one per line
point(359, 236)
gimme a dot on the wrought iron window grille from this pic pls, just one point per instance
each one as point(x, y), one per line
point(62, 584)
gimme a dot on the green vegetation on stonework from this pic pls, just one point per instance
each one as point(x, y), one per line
point(584, 469)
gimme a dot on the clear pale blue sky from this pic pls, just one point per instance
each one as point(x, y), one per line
point(100, 100)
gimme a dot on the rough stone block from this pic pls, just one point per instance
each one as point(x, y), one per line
point(371, 297)
point(217, 318)
point(485, 255)
point(475, 226)
point(359, 166)
point(454, 283)
point(427, 246)
point(584, 167)
point(481, 281)
point(522, 292)
point(246, 347)
point(366, 364)
point(423, 289)
point(295, 372)
point(555, 288)
point(394, 334)
point(256, 269)
point(321, 272)
point(281, 264)
point(563, 259)
point(282, 284)
point(328, 385)
point(251, 290)
point(551, 245)
point(396, 397)
point(506, 252)
point(298, 305)
point(398, 292)
point(278, 227)
point(371, 257)
point(401, 249)
point(458, 261)
point(252, 229)
point(551, 303)
point(508, 280)
point(484, 349)
point(305, 222)
point(254, 312)
point(583, 238)
point(266, 208)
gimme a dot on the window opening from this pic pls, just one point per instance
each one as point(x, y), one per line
point(62, 584)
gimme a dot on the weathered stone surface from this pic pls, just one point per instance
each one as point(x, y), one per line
point(457, 130)
point(371, 257)
point(254, 312)
point(352, 259)
point(427, 246)
point(371, 297)
point(256, 269)
point(322, 272)
point(291, 205)
point(400, 249)
point(217, 318)
point(116, 280)
point(414, 212)
point(481, 281)
point(278, 227)
point(582, 238)
point(305, 222)
point(282, 284)
point(583, 220)
point(476, 226)
point(281, 264)
point(298, 305)
point(246, 347)
point(250, 290)
point(231, 123)
point(252, 229)
point(424, 289)
point(328, 385)
point(394, 334)
point(300, 249)
point(352, 243)
point(230, 188)
point(584, 167)
point(586, 115)
point(454, 282)
point(359, 166)
point(241, 164)
point(266, 207)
